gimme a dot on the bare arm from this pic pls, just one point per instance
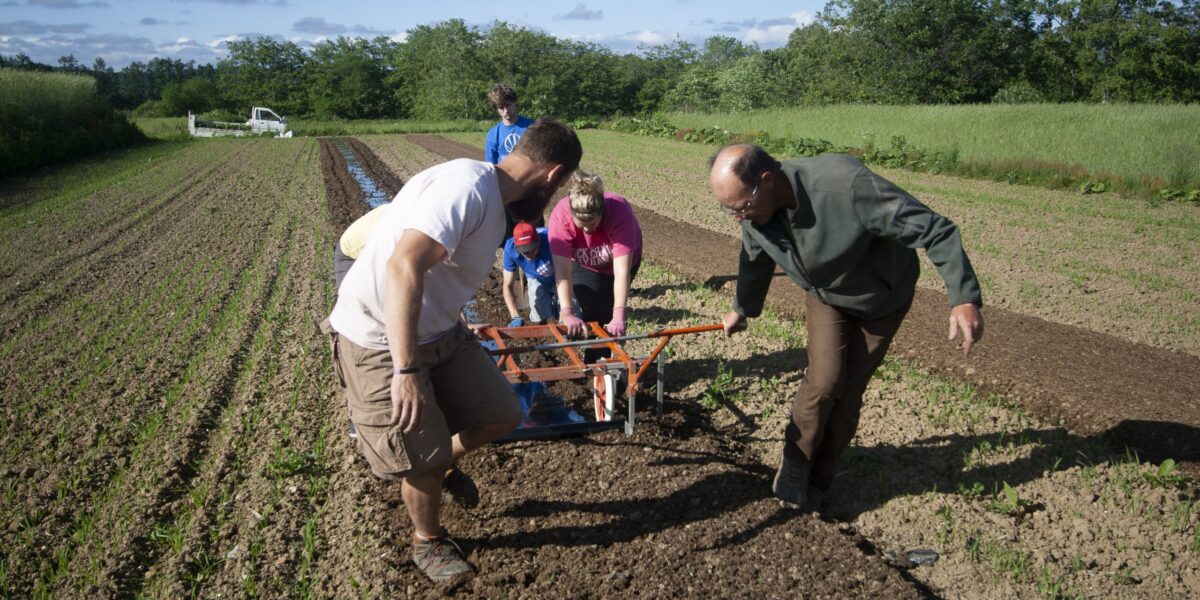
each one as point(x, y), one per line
point(413, 255)
point(562, 280)
point(621, 268)
point(510, 294)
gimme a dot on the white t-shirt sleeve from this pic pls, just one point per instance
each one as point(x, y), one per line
point(444, 213)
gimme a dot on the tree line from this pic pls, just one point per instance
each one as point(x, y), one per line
point(859, 51)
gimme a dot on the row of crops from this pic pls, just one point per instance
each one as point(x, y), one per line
point(159, 358)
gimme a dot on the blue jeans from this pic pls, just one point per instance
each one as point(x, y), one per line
point(543, 300)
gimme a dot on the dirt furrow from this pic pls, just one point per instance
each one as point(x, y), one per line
point(188, 413)
point(387, 181)
point(87, 251)
point(125, 393)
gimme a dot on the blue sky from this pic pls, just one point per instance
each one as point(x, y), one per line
point(122, 31)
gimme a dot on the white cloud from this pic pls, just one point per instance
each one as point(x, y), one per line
point(221, 42)
point(185, 45)
point(652, 38)
point(775, 32)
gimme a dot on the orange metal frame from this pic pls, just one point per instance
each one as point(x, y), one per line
point(577, 369)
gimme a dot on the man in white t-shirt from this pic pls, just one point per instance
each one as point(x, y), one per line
point(419, 387)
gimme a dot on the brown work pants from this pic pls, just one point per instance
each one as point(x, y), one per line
point(843, 352)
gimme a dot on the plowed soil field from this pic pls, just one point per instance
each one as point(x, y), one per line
point(172, 428)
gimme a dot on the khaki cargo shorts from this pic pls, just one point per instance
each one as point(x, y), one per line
point(468, 390)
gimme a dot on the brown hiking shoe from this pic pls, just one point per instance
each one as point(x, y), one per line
point(461, 488)
point(791, 480)
point(440, 558)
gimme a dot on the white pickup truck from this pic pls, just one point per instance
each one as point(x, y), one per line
point(262, 121)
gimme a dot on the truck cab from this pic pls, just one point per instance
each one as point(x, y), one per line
point(263, 120)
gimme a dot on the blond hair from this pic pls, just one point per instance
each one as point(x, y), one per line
point(587, 195)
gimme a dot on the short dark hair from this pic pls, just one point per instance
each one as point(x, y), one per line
point(750, 166)
point(547, 141)
point(501, 95)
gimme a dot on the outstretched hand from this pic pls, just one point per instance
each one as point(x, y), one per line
point(967, 319)
point(733, 322)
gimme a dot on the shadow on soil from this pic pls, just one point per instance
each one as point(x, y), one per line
point(875, 475)
point(703, 496)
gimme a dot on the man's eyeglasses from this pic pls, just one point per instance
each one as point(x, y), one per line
point(746, 206)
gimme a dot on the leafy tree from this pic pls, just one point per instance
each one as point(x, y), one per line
point(196, 95)
point(928, 51)
point(264, 72)
point(721, 51)
point(440, 72)
point(140, 81)
point(660, 70)
point(70, 64)
point(346, 78)
point(696, 90)
point(1119, 50)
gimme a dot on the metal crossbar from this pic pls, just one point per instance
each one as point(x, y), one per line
point(636, 367)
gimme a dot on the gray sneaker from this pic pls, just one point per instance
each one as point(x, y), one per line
point(791, 481)
point(440, 558)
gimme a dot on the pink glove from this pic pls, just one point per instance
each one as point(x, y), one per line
point(574, 324)
point(616, 327)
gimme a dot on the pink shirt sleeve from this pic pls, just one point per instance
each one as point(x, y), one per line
point(621, 226)
point(561, 229)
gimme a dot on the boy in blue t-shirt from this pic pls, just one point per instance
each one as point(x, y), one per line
point(529, 249)
point(503, 136)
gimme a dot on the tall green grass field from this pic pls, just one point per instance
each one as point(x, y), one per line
point(46, 118)
point(1132, 141)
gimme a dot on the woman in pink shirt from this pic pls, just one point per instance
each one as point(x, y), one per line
point(597, 248)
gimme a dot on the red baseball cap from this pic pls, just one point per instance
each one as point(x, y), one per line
point(524, 237)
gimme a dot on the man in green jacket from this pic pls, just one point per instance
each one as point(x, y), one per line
point(847, 237)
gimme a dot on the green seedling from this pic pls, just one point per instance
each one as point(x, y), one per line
point(1077, 563)
point(1008, 502)
point(287, 461)
point(719, 392)
point(947, 516)
point(198, 494)
point(202, 570)
point(1125, 577)
point(310, 539)
point(1164, 476)
point(171, 535)
point(973, 490)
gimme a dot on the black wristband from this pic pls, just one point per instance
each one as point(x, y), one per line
point(406, 370)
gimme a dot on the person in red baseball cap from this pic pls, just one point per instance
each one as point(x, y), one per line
point(529, 250)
